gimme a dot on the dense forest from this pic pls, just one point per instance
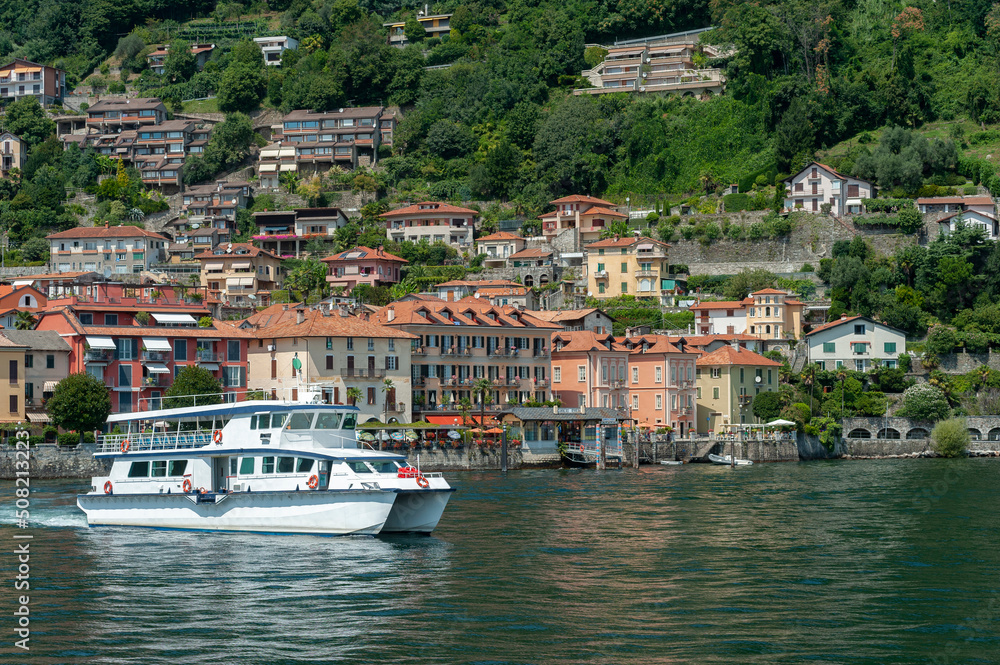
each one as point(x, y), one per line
point(501, 122)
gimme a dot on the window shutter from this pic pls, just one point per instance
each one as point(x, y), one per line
point(135, 348)
point(329, 362)
point(387, 362)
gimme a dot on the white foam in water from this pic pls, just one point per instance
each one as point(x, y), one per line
point(52, 518)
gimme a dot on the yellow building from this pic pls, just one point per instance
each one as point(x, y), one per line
point(11, 364)
point(773, 314)
point(728, 379)
point(628, 266)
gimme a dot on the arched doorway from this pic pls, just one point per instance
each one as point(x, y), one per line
point(888, 433)
point(859, 433)
point(917, 433)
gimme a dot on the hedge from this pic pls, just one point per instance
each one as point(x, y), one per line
point(886, 205)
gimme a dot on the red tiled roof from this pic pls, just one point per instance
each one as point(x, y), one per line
point(534, 253)
point(251, 252)
point(415, 209)
point(585, 340)
point(727, 355)
point(105, 232)
point(833, 324)
point(597, 210)
point(722, 304)
point(768, 292)
point(369, 253)
point(278, 322)
point(625, 242)
point(474, 312)
point(579, 198)
point(501, 235)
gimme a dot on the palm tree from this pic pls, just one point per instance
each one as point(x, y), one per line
point(809, 379)
point(24, 321)
point(842, 377)
point(387, 387)
point(482, 387)
point(982, 375)
point(353, 395)
point(464, 407)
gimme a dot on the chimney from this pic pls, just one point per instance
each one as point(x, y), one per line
point(734, 343)
point(284, 308)
point(300, 316)
point(843, 317)
point(390, 315)
point(106, 224)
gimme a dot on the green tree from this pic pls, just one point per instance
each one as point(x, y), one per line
point(767, 406)
point(35, 249)
point(180, 63)
point(747, 281)
point(950, 438)
point(482, 388)
point(24, 321)
point(230, 142)
point(193, 385)
point(925, 402)
point(353, 395)
point(413, 30)
point(241, 88)
point(26, 118)
point(80, 402)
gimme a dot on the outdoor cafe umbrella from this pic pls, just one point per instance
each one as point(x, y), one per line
point(494, 430)
point(366, 436)
point(780, 423)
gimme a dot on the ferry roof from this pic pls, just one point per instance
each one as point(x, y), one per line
point(225, 409)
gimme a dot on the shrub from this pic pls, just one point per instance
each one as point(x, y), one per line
point(736, 202)
point(924, 402)
point(905, 362)
point(69, 439)
point(941, 340)
point(950, 438)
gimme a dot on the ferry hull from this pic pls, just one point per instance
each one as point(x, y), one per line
point(417, 511)
point(321, 513)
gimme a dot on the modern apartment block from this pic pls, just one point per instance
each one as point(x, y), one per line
point(664, 64)
point(273, 47)
point(434, 25)
point(311, 142)
point(432, 221)
point(286, 232)
point(462, 342)
point(112, 116)
point(22, 78)
point(590, 216)
point(110, 250)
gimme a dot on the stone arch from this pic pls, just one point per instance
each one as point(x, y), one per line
point(543, 279)
point(917, 433)
point(995, 434)
point(888, 433)
point(975, 434)
point(529, 281)
point(859, 433)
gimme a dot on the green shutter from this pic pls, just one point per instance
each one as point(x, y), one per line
point(890, 347)
point(829, 347)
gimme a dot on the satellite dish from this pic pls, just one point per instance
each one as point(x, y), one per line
point(757, 379)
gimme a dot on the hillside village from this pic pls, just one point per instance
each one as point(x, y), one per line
point(286, 248)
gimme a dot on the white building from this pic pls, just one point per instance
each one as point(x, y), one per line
point(854, 342)
point(110, 250)
point(273, 47)
point(817, 184)
point(983, 221)
point(723, 317)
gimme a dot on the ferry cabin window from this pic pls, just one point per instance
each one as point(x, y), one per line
point(253, 420)
point(177, 467)
point(246, 466)
point(277, 420)
point(159, 468)
point(139, 470)
point(268, 465)
point(384, 467)
point(286, 464)
point(328, 421)
point(305, 465)
point(359, 467)
point(300, 421)
point(350, 420)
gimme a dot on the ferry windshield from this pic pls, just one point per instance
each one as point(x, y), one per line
point(300, 421)
point(384, 467)
point(328, 421)
point(358, 467)
point(350, 420)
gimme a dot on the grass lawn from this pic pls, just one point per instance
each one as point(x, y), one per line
point(202, 106)
point(940, 130)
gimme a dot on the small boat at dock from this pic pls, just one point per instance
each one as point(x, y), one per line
point(727, 460)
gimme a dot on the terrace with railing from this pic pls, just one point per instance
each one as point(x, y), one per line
point(149, 441)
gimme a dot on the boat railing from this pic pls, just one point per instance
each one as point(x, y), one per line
point(147, 441)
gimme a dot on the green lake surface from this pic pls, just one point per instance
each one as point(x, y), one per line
point(892, 561)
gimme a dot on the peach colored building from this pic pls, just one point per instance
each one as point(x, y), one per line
point(589, 369)
point(588, 214)
point(363, 265)
point(661, 382)
point(773, 314)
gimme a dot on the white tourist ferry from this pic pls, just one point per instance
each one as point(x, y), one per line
point(267, 466)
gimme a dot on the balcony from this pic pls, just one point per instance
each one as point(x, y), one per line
point(155, 356)
point(541, 383)
point(99, 356)
point(541, 353)
point(497, 353)
point(514, 381)
point(418, 351)
point(449, 382)
point(601, 274)
point(647, 273)
point(450, 351)
point(362, 373)
point(208, 357)
point(395, 407)
point(156, 381)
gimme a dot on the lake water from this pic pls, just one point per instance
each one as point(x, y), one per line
point(893, 561)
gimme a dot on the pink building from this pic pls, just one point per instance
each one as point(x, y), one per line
point(432, 221)
point(589, 369)
point(363, 265)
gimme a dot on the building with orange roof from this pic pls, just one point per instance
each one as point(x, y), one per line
point(818, 184)
point(338, 351)
point(724, 316)
point(633, 265)
point(855, 342)
point(137, 347)
point(589, 369)
point(235, 272)
point(587, 214)
point(578, 319)
point(461, 342)
point(19, 298)
point(728, 379)
point(661, 382)
point(109, 250)
point(157, 60)
point(953, 204)
point(363, 265)
point(20, 78)
point(774, 314)
point(432, 221)
point(456, 289)
point(498, 247)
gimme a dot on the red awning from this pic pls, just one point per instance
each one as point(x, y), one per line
point(457, 420)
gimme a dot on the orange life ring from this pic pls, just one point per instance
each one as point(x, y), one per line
point(108, 487)
point(202, 490)
point(313, 482)
point(125, 446)
point(217, 436)
point(186, 485)
point(423, 482)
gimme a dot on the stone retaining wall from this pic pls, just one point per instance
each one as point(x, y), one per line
point(51, 461)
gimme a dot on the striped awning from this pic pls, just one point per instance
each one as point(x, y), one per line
point(38, 417)
point(49, 386)
point(157, 368)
